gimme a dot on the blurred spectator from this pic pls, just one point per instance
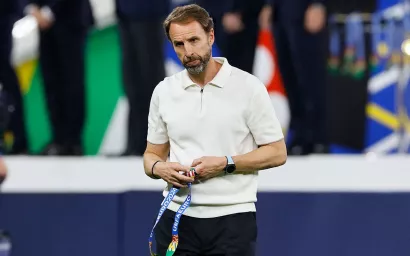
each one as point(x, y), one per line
point(142, 43)
point(237, 27)
point(241, 26)
point(64, 25)
point(300, 39)
point(216, 9)
point(10, 11)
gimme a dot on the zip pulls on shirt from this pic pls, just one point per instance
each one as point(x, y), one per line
point(202, 93)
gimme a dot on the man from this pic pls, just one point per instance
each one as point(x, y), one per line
point(142, 45)
point(10, 12)
point(220, 120)
point(300, 40)
point(237, 29)
point(64, 25)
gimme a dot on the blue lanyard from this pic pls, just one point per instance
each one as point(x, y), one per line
point(174, 243)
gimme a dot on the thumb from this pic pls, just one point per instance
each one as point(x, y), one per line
point(196, 162)
point(180, 168)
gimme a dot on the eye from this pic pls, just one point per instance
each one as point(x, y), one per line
point(178, 44)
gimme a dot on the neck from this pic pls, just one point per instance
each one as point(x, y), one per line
point(208, 74)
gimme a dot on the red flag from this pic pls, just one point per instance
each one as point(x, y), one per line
point(266, 69)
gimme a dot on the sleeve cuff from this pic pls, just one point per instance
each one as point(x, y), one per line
point(270, 139)
point(157, 139)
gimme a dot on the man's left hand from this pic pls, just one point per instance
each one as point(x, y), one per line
point(208, 167)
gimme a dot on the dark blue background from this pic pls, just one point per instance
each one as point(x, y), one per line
point(290, 224)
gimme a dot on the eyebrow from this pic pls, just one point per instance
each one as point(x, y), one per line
point(176, 42)
point(189, 39)
point(192, 38)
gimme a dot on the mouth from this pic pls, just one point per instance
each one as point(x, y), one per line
point(193, 63)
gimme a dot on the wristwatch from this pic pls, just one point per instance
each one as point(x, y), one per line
point(230, 166)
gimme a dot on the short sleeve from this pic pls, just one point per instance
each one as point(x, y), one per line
point(157, 131)
point(261, 116)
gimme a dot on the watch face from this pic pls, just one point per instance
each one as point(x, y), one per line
point(230, 168)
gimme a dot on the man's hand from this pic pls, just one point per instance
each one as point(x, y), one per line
point(43, 21)
point(3, 171)
point(208, 167)
point(169, 172)
point(315, 18)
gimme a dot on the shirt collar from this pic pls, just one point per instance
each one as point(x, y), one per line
point(219, 80)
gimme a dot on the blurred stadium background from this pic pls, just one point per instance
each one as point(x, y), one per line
point(352, 202)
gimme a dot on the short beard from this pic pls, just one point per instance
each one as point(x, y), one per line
point(198, 69)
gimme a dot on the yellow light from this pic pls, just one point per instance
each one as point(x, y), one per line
point(405, 47)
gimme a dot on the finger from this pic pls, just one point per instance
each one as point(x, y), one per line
point(180, 168)
point(183, 168)
point(177, 183)
point(196, 162)
point(182, 178)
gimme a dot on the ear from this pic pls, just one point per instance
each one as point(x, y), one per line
point(211, 37)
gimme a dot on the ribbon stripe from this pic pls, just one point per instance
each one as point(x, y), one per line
point(173, 191)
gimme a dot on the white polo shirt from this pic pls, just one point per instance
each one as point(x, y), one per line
point(232, 115)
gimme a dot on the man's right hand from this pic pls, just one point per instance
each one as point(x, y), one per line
point(170, 172)
point(43, 22)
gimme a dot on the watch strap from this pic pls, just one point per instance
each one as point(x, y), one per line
point(230, 160)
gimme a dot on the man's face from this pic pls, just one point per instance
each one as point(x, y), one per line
point(192, 45)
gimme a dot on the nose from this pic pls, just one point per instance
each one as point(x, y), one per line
point(188, 50)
